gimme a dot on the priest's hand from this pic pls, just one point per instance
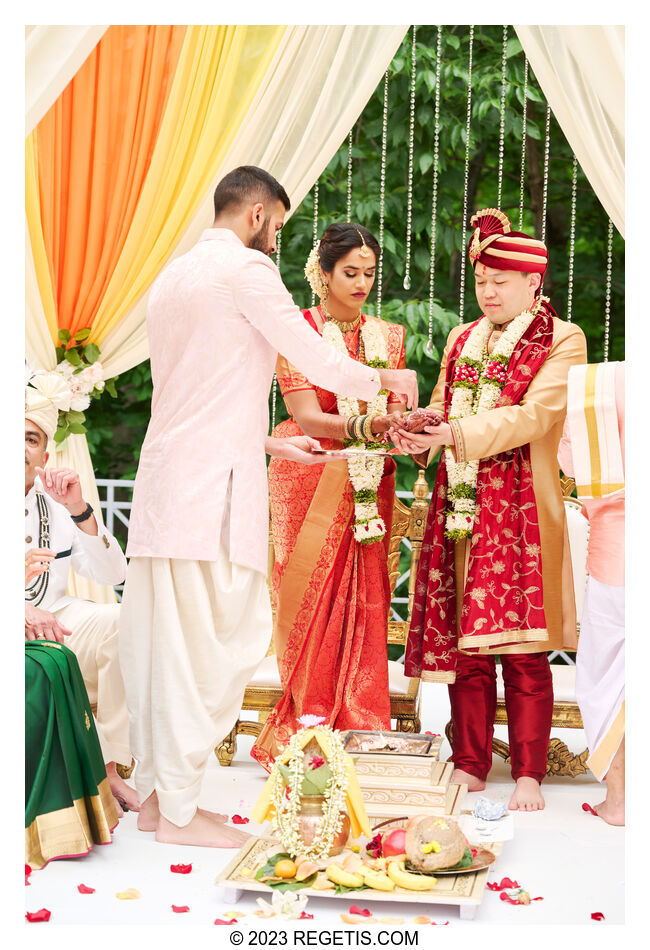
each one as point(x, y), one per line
point(37, 561)
point(64, 486)
point(42, 625)
point(413, 443)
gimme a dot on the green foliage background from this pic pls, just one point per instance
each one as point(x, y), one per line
point(117, 427)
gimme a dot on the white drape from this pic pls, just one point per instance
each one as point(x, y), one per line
point(53, 54)
point(314, 90)
point(581, 70)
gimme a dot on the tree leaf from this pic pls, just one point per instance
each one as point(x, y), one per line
point(82, 335)
point(73, 357)
point(77, 428)
point(64, 335)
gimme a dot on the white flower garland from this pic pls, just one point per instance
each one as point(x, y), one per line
point(365, 467)
point(285, 818)
point(478, 381)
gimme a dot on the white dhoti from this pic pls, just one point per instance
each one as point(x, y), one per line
point(600, 673)
point(94, 640)
point(191, 635)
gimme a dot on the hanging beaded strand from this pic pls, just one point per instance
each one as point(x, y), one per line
point(315, 235)
point(572, 239)
point(461, 305)
point(434, 196)
point(522, 180)
point(382, 194)
point(608, 289)
point(278, 251)
point(349, 197)
point(547, 156)
point(409, 199)
point(502, 123)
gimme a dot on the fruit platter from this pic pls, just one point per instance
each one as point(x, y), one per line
point(386, 868)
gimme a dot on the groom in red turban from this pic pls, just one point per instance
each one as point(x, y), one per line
point(495, 572)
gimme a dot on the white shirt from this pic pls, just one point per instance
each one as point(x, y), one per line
point(216, 320)
point(99, 558)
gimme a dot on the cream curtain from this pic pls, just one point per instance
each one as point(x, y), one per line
point(53, 54)
point(314, 90)
point(581, 70)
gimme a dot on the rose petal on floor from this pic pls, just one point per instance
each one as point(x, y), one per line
point(587, 807)
point(238, 820)
point(360, 911)
point(128, 895)
point(502, 885)
point(306, 916)
point(220, 921)
point(85, 890)
point(180, 910)
point(38, 916)
point(180, 868)
point(597, 915)
point(28, 871)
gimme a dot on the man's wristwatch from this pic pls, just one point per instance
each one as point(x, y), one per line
point(84, 516)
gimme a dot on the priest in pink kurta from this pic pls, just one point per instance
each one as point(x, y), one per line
point(196, 617)
point(592, 451)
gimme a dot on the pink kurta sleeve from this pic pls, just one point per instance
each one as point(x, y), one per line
point(564, 452)
point(265, 302)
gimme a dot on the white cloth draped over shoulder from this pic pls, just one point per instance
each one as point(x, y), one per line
point(581, 70)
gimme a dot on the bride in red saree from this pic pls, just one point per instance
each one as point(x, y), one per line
point(331, 591)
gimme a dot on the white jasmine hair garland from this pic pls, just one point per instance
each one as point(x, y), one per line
point(478, 381)
point(365, 466)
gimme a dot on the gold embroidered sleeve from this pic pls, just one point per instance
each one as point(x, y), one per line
point(543, 404)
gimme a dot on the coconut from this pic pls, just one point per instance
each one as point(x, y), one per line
point(433, 843)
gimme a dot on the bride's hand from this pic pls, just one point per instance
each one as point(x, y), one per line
point(393, 420)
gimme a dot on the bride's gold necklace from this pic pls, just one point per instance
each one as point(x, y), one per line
point(346, 327)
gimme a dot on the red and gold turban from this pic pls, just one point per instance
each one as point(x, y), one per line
point(495, 244)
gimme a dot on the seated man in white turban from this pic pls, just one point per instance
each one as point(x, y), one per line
point(57, 518)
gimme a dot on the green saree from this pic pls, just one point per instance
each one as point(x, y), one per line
point(68, 802)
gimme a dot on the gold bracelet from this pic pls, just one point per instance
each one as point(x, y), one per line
point(367, 429)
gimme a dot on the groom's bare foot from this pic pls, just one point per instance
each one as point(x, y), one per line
point(122, 791)
point(611, 811)
point(527, 795)
point(473, 783)
point(150, 814)
point(200, 831)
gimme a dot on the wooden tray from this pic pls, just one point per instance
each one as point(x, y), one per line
point(462, 890)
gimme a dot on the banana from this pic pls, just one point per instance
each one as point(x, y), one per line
point(336, 874)
point(410, 882)
point(376, 879)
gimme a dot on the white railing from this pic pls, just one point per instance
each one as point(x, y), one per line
point(115, 498)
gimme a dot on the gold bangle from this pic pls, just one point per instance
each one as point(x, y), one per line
point(367, 429)
point(359, 427)
point(349, 426)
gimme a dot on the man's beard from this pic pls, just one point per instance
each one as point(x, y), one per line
point(260, 241)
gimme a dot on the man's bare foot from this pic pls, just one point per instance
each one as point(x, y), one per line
point(527, 795)
point(201, 831)
point(123, 792)
point(611, 812)
point(118, 808)
point(473, 783)
point(150, 814)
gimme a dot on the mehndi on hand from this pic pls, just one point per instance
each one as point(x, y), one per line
point(416, 421)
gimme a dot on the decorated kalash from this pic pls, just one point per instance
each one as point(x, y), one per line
point(323, 843)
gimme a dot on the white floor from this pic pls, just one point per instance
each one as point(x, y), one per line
point(563, 854)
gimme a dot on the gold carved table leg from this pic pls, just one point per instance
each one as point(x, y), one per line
point(225, 751)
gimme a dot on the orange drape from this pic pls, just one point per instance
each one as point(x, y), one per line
point(94, 148)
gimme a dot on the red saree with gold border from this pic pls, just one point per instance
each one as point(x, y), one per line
point(332, 594)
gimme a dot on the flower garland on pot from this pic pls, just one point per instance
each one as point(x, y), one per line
point(476, 387)
point(292, 777)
